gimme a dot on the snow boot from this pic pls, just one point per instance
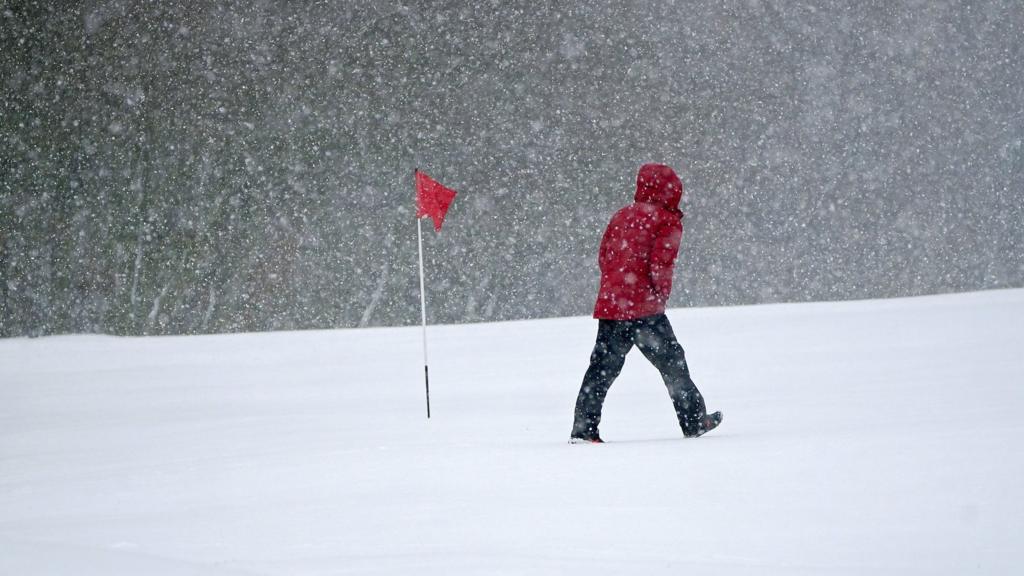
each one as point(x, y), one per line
point(709, 423)
point(585, 439)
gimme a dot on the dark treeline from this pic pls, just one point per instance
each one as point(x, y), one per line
point(191, 167)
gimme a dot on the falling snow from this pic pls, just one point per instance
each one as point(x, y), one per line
point(197, 167)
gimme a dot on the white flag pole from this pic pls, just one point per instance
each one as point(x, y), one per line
point(423, 314)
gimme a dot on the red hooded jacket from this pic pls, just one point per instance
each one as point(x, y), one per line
point(639, 248)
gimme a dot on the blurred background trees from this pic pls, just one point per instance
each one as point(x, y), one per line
point(194, 167)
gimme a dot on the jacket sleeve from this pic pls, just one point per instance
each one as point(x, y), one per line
point(602, 252)
point(663, 257)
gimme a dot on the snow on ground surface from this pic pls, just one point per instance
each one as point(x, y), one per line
point(871, 437)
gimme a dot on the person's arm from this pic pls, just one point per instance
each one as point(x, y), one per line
point(602, 253)
point(663, 257)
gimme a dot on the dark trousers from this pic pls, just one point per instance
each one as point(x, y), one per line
point(654, 337)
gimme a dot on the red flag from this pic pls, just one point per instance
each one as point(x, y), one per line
point(432, 199)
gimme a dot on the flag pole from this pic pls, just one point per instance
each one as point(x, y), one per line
point(423, 314)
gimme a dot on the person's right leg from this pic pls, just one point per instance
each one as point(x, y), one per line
point(656, 340)
point(614, 341)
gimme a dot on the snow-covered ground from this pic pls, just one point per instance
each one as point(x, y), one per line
point(873, 437)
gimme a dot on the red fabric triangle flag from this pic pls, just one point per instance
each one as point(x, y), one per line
point(432, 199)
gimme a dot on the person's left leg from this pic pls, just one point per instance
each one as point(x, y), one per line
point(614, 340)
point(658, 343)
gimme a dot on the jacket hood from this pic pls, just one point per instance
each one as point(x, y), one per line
point(658, 184)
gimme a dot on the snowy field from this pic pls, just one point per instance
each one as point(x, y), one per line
point(872, 437)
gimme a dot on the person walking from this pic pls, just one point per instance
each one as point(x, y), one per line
point(637, 257)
